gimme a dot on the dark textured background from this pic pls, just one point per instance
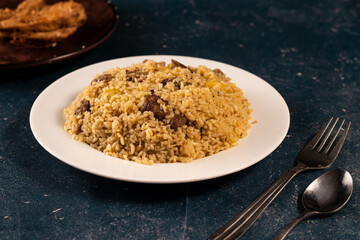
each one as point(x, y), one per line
point(308, 50)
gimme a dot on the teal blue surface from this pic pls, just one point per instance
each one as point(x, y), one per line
point(308, 50)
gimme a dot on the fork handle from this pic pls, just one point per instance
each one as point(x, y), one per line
point(237, 226)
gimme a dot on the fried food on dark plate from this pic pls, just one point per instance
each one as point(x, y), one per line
point(35, 20)
point(49, 36)
point(23, 8)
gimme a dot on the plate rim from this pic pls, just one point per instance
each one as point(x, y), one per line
point(154, 181)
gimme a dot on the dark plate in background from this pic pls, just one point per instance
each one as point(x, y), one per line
point(101, 23)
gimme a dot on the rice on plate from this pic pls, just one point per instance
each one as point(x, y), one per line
point(153, 112)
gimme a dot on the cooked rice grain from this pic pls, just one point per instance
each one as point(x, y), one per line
point(156, 113)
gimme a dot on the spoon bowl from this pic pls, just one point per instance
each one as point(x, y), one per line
point(325, 195)
point(328, 193)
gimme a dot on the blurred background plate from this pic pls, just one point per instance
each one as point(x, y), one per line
point(101, 23)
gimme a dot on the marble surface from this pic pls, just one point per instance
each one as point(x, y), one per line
point(308, 50)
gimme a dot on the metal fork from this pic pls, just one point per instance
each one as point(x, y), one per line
point(315, 155)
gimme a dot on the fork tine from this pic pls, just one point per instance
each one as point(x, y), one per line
point(335, 151)
point(321, 145)
point(315, 140)
point(333, 139)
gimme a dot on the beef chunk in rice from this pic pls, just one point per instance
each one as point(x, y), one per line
point(152, 105)
point(178, 121)
point(83, 107)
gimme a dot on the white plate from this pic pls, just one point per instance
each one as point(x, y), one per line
point(270, 111)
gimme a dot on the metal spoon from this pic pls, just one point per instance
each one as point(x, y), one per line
point(325, 195)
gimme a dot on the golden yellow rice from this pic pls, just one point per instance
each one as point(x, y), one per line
point(113, 113)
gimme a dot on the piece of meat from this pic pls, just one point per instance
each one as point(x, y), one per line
point(152, 105)
point(51, 36)
point(83, 107)
point(6, 13)
point(136, 74)
point(218, 71)
point(175, 64)
point(29, 7)
point(24, 8)
point(103, 78)
point(35, 20)
point(48, 18)
point(167, 80)
point(152, 98)
point(178, 121)
point(78, 129)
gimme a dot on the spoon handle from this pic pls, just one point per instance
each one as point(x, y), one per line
point(286, 230)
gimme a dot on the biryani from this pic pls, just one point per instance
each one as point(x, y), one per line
point(153, 112)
